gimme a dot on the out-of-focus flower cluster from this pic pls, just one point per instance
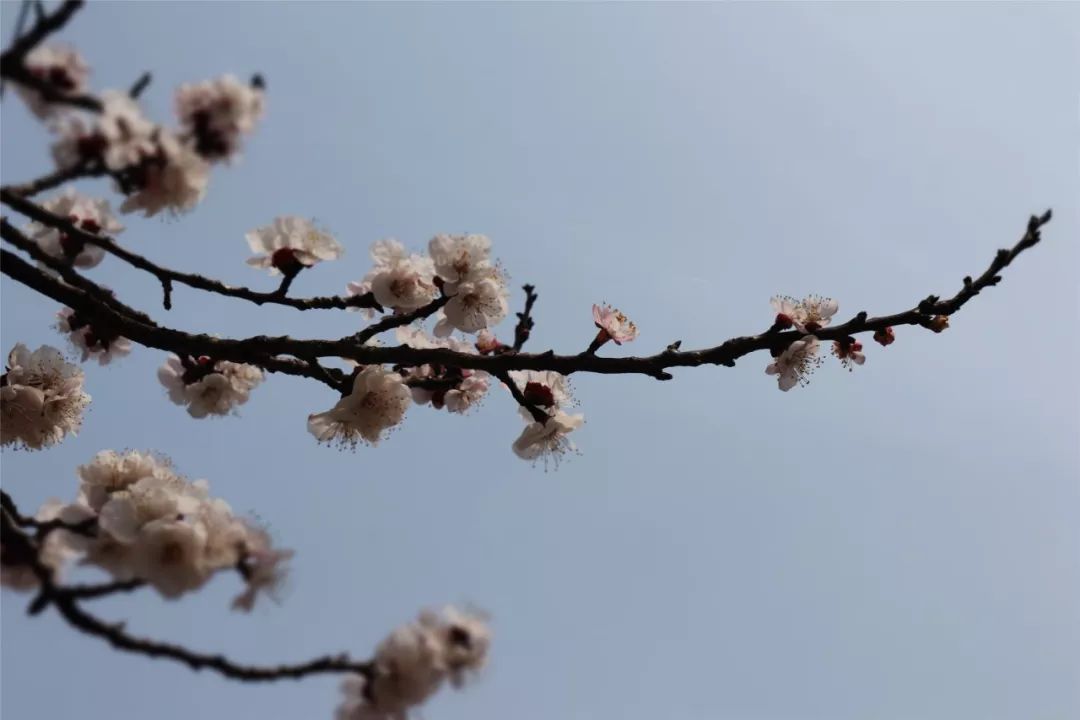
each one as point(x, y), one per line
point(59, 67)
point(156, 168)
point(414, 662)
point(207, 386)
point(145, 521)
point(41, 398)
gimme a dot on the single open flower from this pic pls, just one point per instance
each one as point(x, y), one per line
point(613, 325)
point(796, 363)
point(290, 244)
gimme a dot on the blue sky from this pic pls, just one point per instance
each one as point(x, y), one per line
point(900, 542)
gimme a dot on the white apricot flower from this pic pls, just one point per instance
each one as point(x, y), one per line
point(41, 398)
point(170, 555)
point(814, 313)
point(169, 177)
point(796, 363)
point(476, 304)
point(548, 441)
point(413, 663)
point(215, 115)
point(62, 69)
point(89, 214)
point(290, 244)
point(613, 325)
point(378, 402)
point(399, 280)
point(262, 566)
point(90, 340)
point(545, 389)
point(460, 258)
point(206, 386)
point(110, 471)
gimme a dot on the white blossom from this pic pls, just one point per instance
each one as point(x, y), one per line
point(616, 326)
point(795, 364)
point(89, 214)
point(41, 398)
point(170, 555)
point(208, 387)
point(171, 177)
point(378, 402)
point(149, 498)
point(62, 68)
point(476, 305)
point(468, 393)
point(156, 525)
point(216, 114)
point(413, 663)
point(814, 313)
point(545, 389)
point(460, 258)
point(110, 471)
point(399, 280)
point(548, 441)
point(289, 244)
point(262, 566)
point(89, 340)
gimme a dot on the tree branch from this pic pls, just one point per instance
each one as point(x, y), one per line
point(55, 179)
point(166, 276)
point(252, 349)
point(25, 550)
point(44, 26)
point(525, 321)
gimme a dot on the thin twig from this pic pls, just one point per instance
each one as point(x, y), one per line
point(525, 320)
point(23, 548)
point(165, 275)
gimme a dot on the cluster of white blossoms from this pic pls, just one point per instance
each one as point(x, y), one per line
point(157, 169)
point(546, 439)
point(215, 115)
point(62, 69)
point(414, 662)
point(400, 280)
point(460, 266)
point(88, 214)
point(92, 341)
point(207, 386)
point(41, 398)
point(794, 364)
point(456, 389)
point(290, 244)
point(155, 525)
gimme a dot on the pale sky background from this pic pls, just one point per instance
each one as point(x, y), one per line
point(898, 543)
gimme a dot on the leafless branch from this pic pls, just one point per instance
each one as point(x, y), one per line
point(21, 548)
point(256, 348)
point(167, 276)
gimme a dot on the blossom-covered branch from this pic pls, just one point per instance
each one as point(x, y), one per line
point(657, 366)
point(11, 197)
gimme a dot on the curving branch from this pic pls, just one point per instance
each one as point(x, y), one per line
point(56, 179)
point(166, 277)
point(21, 548)
point(259, 348)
